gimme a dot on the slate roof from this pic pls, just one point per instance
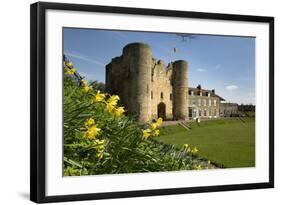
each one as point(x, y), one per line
point(205, 92)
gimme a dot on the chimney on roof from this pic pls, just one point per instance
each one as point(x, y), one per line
point(213, 91)
point(199, 87)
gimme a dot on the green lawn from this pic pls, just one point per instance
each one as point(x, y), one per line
point(227, 142)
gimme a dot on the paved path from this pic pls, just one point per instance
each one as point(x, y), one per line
point(175, 122)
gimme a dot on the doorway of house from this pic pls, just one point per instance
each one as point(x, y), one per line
point(162, 110)
point(190, 113)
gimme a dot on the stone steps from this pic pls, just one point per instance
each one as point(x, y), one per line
point(185, 125)
point(241, 119)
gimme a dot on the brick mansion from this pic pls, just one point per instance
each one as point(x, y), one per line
point(149, 89)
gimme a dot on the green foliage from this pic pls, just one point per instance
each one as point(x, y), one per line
point(124, 150)
point(98, 85)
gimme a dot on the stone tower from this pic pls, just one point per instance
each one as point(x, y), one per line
point(137, 58)
point(180, 90)
point(147, 88)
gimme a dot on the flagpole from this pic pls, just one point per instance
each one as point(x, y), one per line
point(175, 50)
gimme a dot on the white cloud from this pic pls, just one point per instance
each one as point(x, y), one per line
point(84, 58)
point(201, 70)
point(231, 87)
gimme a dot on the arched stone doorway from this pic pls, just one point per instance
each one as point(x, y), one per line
point(162, 110)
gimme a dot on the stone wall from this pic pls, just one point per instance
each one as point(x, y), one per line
point(227, 109)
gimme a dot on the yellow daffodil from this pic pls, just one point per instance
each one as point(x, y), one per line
point(89, 122)
point(99, 155)
point(186, 146)
point(99, 142)
point(109, 107)
point(70, 71)
point(119, 111)
point(156, 133)
point(92, 132)
point(85, 85)
point(197, 167)
point(84, 82)
point(99, 148)
point(146, 133)
point(153, 126)
point(86, 88)
point(98, 97)
point(194, 150)
point(113, 100)
point(209, 162)
point(159, 121)
point(68, 63)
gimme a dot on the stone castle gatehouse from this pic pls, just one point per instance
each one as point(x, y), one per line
point(147, 88)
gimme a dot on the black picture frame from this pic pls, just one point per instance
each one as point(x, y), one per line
point(38, 101)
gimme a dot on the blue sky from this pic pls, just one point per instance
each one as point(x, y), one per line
point(223, 63)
